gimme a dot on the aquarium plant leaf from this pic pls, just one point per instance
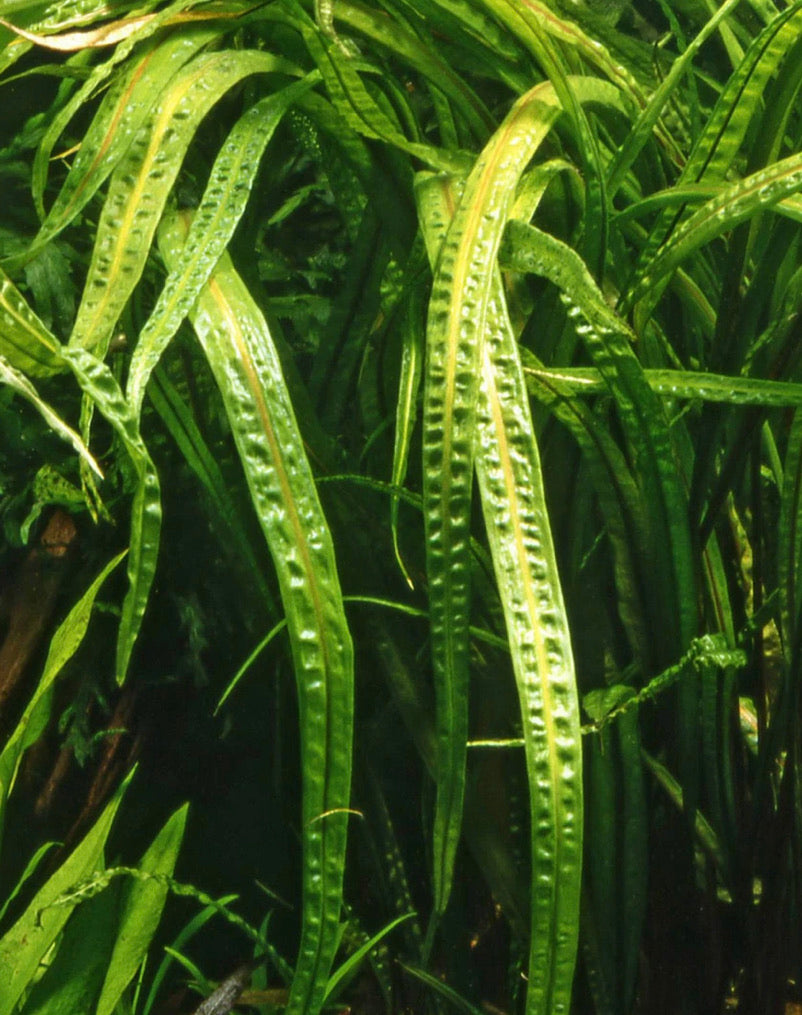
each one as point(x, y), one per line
point(688, 385)
point(25, 342)
point(72, 980)
point(609, 343)
point(94, 83)
point(513, 502)
point(733, 205)
point(455, 338)
point(407, 405)
point(406, 46)
point(243, 359)
point(126, 105)
point(517, 522)
point(213, 225)
point(18, 382)
point(647, 120)
point(99, 383)
point(361, 111)
point(140, 912)
point(454, 342)
point(65, 642)
point(143, 179)
point(26, 943)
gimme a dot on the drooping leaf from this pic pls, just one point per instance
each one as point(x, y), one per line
point(142, 182)
point(237, 343)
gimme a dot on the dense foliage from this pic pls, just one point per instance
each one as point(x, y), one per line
point(400, 494)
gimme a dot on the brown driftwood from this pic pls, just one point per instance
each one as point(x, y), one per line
point(29, 601)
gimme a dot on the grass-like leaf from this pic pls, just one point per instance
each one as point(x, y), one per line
point(240, 351)
point(142, 181)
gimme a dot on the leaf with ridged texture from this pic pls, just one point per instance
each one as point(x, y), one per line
point(98, 382)
point(457, 312)
point(453, 360)
point(682, 384)
point(125, 106)
point(723, 134)
point(647, 120)
point(734, 204)
point(221, 208)
point(19, 382)
point(25, 342)
point(24, 945)
point(360, 110)
point(55, 16)
point(242, 356)
point(617, 492)
point(471, 40)
point(180, 423)
point(142, 182)
point(110, 33)
point(85, 92)
point(608, 341)
point(463, 17)
point(571, 34)
point(405, 46)
point(542, 32)
point(519, 532)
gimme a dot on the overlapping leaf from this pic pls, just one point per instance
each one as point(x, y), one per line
point(243, 359)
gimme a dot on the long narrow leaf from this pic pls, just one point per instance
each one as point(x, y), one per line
point(143, 180)
point(242, 356)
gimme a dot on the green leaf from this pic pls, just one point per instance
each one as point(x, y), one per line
point(519, 532)
point(339, 979)
point(454, 343)
point(508, 466)
point(30, 869)
point(98, 382)
point(72, 981)
point(361, 111)
point(733, 205)
point(444, 990)
point(125, 106)
point(140, 912)
point(682, 384)
point(25, 342)
point(143, 180)
point(238, 345)
point(609, 342)
point(180, 422)
point(457, 315)
point(63, 645)
point(423, 57)
point(24, 946)
point(407, 404)
point(18, 382)
point(643, 126)
point(213, 225)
